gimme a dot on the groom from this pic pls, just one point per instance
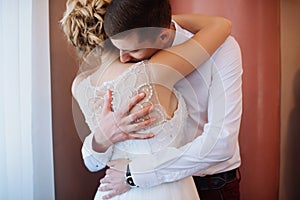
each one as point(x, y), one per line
point(213, 157)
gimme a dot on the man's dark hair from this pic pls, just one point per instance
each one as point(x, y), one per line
point(123, 15)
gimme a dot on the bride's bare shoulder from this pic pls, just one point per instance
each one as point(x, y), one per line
point(78, 79)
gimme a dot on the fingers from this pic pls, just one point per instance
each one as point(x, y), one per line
point(138, 114)
point(114, 189)
point(128, 132)
point(139, 125)
point(131, 123)
point(133, 101)
point(106, 187)
point(116, 192)
point(137, 98)
point(117, 171)
point(107, 102)
point(140, 136)
point(114, 182)
point(110, 195)
point(119, 137)
point(104, 180)
point(111, 180)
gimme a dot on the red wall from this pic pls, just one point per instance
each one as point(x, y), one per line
point(256, 26)
point(72, 179)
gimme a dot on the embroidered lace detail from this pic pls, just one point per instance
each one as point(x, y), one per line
point(136, 79)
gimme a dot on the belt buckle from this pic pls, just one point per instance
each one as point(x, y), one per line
point(216, 182)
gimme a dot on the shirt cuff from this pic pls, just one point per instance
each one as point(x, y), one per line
point(143, 179)
point(99, 160)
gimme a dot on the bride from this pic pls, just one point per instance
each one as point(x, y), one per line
point(160, 114)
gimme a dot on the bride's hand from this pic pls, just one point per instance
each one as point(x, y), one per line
point(119, 126)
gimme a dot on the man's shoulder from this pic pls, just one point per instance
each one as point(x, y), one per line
point(230, 42)
point(229, 45)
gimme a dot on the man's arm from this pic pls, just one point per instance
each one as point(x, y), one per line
point(219, 140)
point(213, 151)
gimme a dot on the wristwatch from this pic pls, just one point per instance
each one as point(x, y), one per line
point(129, 179)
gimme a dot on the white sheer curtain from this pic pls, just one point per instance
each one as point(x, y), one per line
point(26, 158)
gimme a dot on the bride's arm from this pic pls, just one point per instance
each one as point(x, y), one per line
point(196, 22)
point(211, 32)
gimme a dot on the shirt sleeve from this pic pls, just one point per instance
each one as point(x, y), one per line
point(213, 150)
point(93, 160)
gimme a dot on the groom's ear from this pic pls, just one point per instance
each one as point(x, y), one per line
point(165, 36)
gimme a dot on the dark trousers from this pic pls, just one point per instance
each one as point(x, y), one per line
point(223, 186)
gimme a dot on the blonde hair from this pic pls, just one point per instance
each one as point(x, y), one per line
point(83, 24)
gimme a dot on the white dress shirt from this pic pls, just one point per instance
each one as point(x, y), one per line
point(214, 102)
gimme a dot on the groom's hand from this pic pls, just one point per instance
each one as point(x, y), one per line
point(120, 125)
point(114, 180)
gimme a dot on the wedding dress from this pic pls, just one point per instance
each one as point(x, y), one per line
point(168, 130)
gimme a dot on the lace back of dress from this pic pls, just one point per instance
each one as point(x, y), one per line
point(136, 80)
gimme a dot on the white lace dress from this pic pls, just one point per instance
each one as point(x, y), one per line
point(168, 131)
